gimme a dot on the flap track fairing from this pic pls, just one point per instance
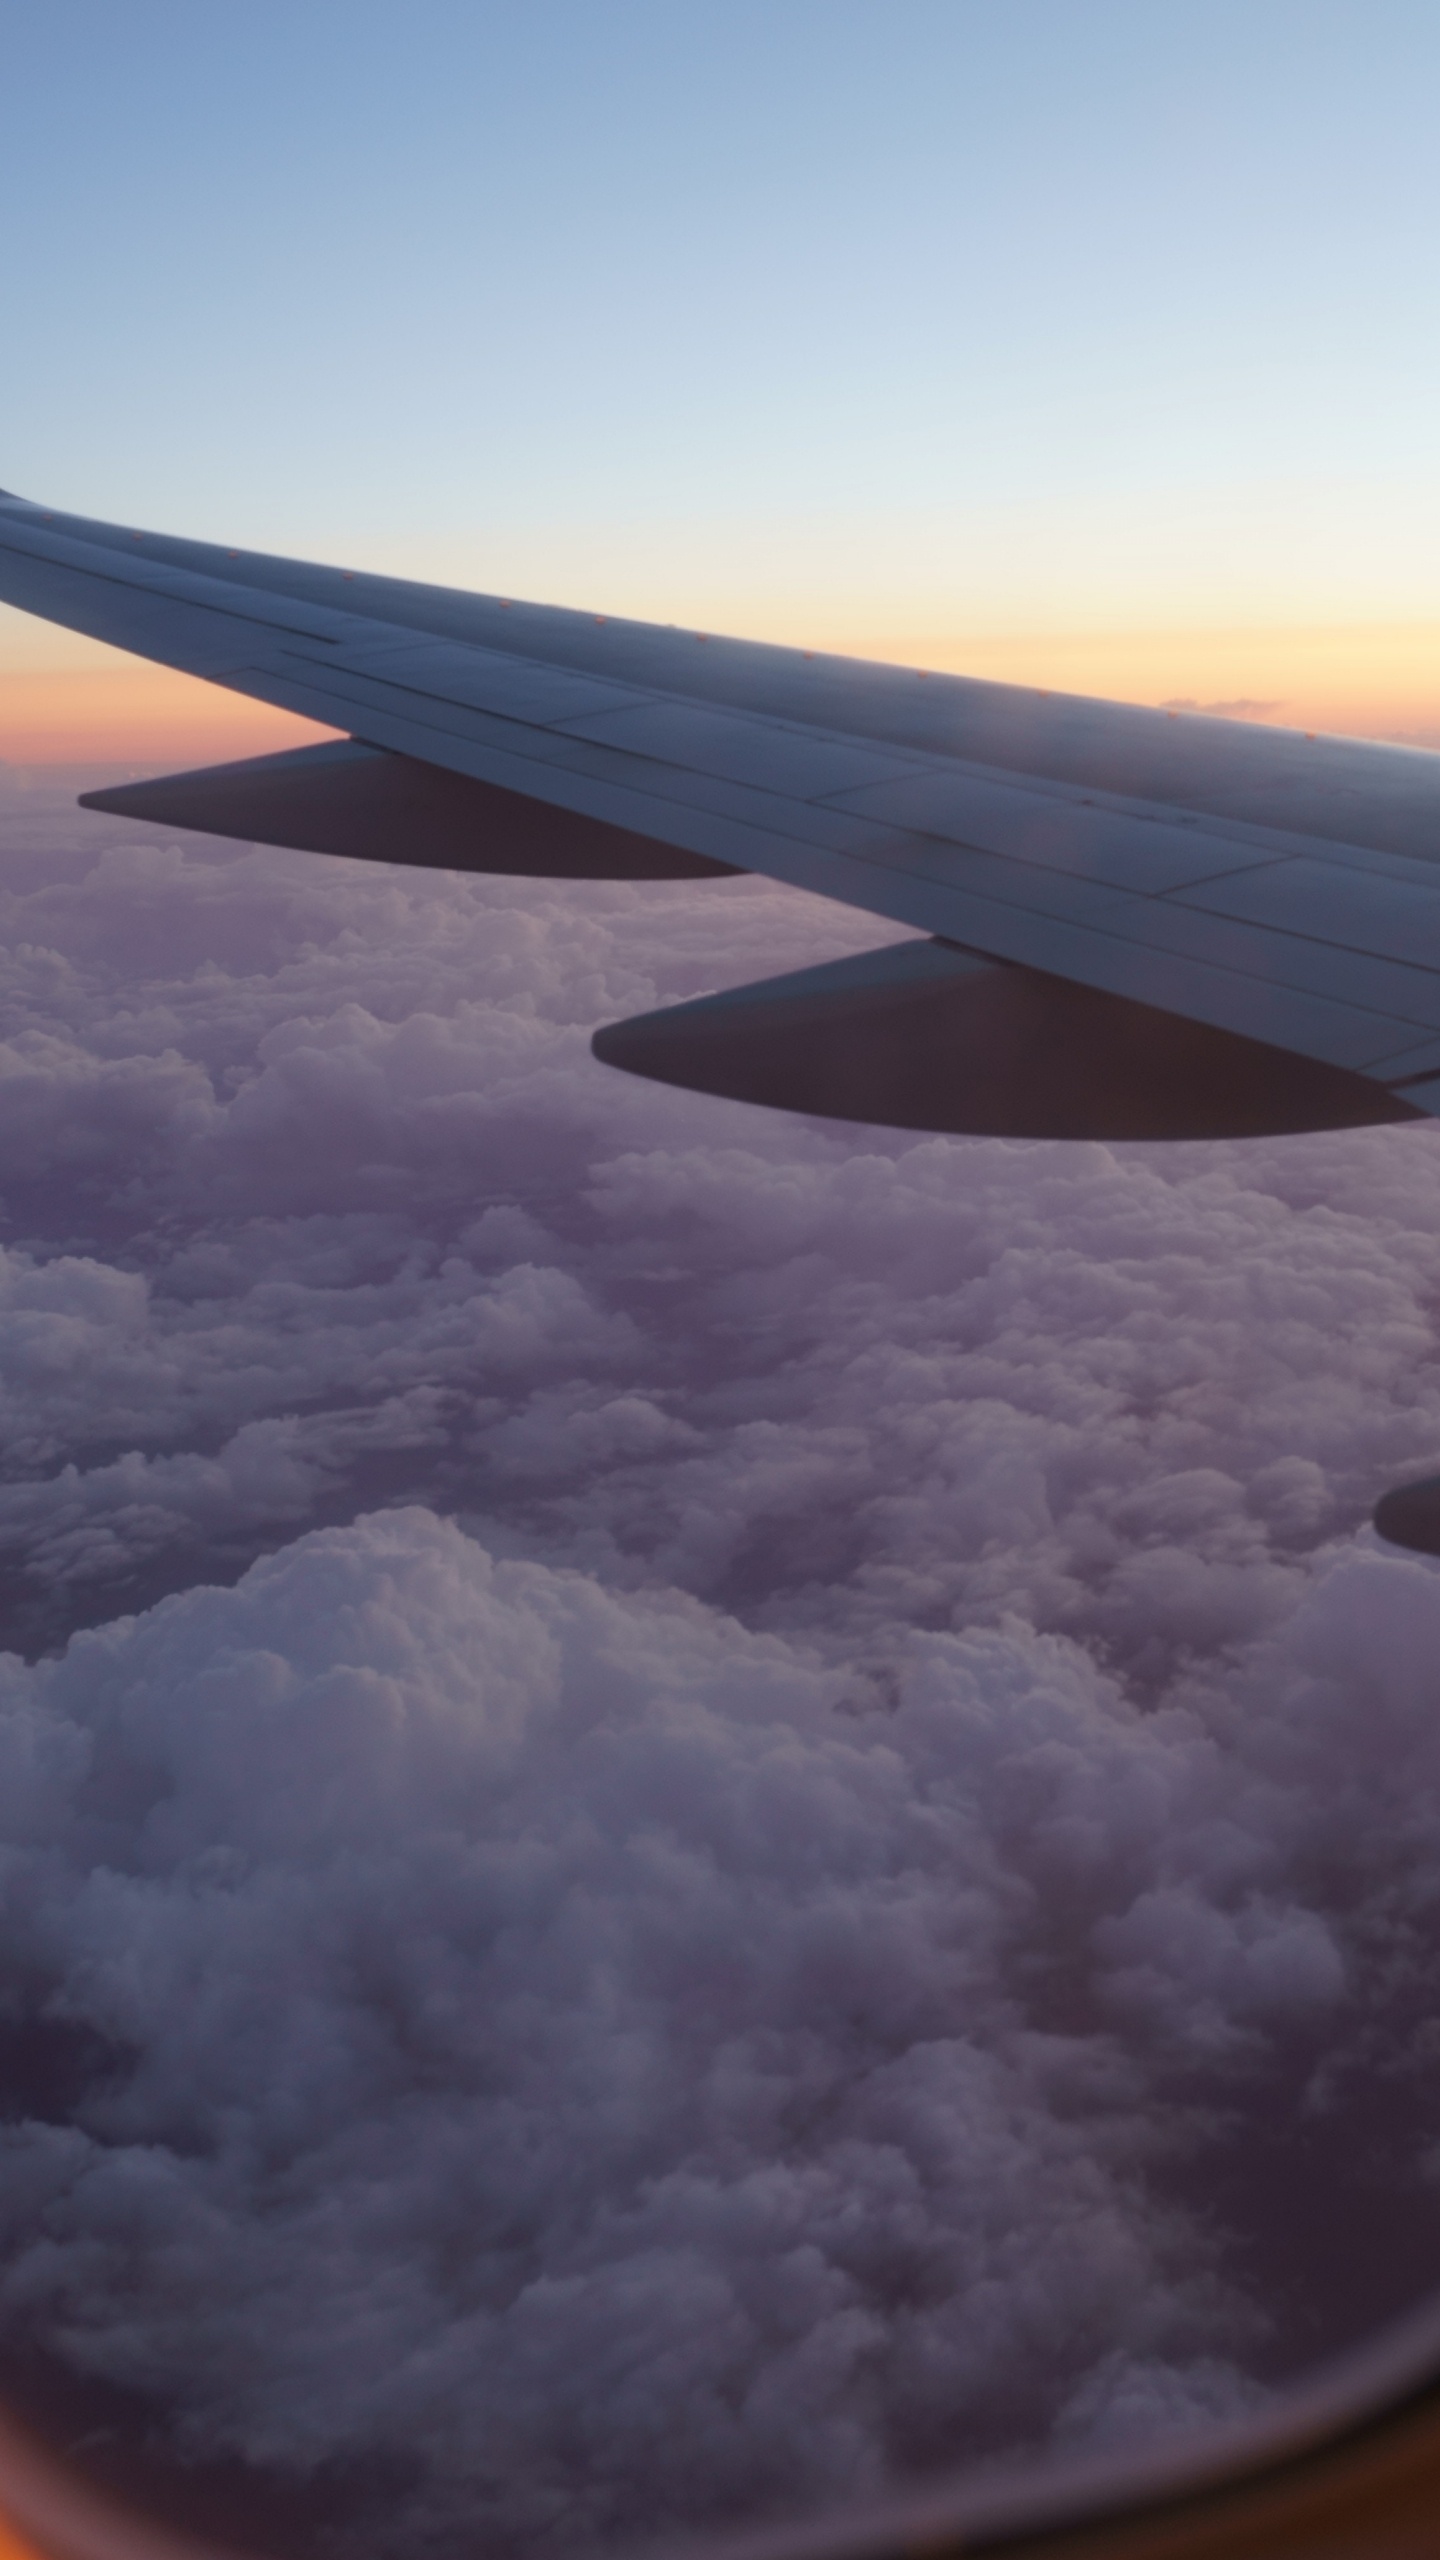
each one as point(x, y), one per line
point(923, 1035)
point(364, 801)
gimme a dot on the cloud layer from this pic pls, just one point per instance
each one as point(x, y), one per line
point(812, 1850)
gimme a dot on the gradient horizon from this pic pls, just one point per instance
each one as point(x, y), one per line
point(1382, 683)
point(1089, 350)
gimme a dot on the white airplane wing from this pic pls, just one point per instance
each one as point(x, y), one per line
point(1133, 924)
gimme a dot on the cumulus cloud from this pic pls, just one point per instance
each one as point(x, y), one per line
point(542, 2037)
point(701, 1811)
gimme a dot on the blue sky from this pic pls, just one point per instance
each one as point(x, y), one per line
point(892, 324)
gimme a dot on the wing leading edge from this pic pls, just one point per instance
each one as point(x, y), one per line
point(1116, 869)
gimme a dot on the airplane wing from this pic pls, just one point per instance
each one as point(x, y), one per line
point(1132, 923)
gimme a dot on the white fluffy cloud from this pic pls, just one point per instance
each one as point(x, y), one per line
point(849, 1880)
point(552, 2038)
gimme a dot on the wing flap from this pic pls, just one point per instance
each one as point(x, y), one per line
point(1150, 852)
point(1347, 909)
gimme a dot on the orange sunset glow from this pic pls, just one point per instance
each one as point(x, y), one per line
point(1378, 680)
point(137, 714)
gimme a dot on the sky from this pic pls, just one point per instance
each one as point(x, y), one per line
point(1088, 346)
point(699, 1811)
